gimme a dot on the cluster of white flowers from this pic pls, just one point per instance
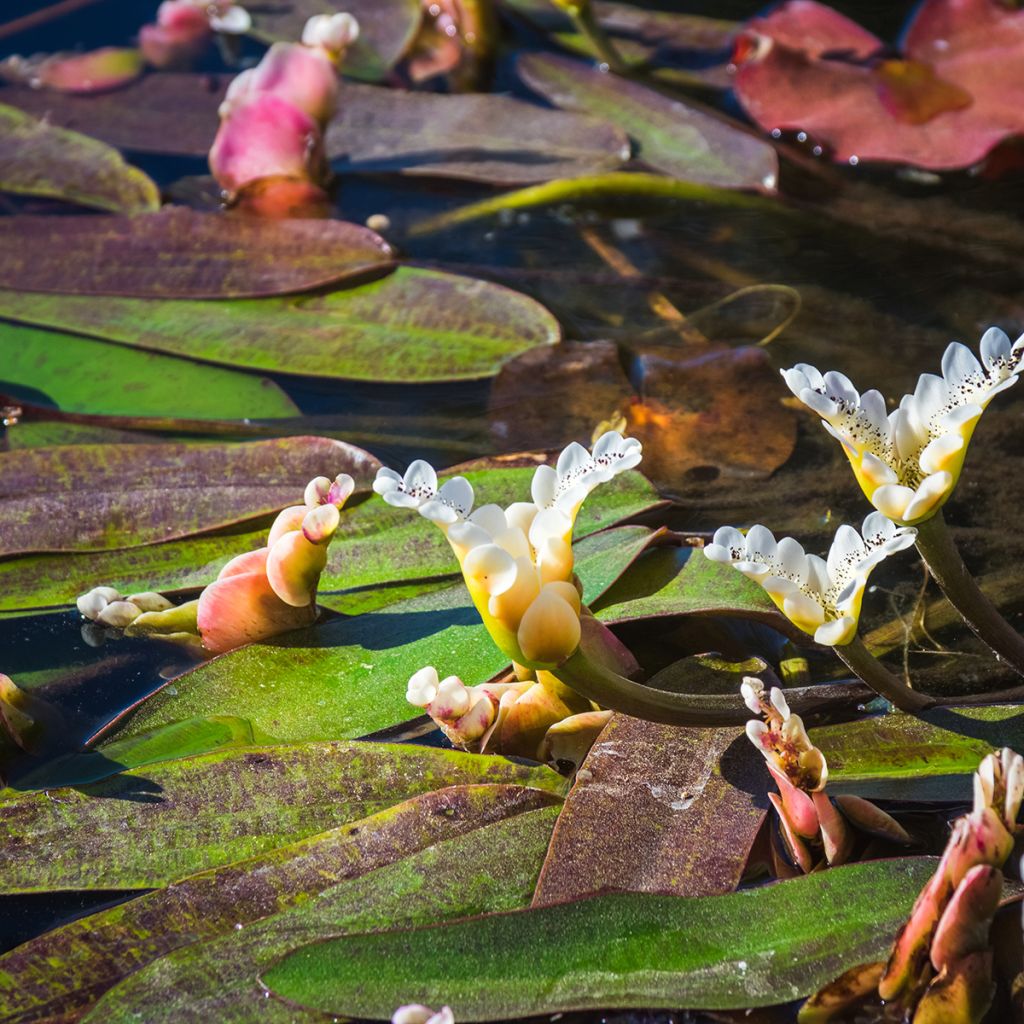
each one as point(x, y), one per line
point(518, 561)
point(820, 596)
point(108, 607)
point(908, 461)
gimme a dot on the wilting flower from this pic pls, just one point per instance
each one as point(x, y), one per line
point(18, 724)
point(821, 597)
point(908, 461)
point(257, 594)
point(518, 562)
point(415, 1013)
point(541, 719)
point(940, 967)
point(274, 115)
point(815, 827)
point(183, 28)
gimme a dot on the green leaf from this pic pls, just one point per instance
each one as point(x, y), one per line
point(414, 326)
point(181, 253)
point(750, 948)
point(153, 825)
point(671, 136)
point(374, 544)
point(931, 756)
point(132, 494)
point(492, 868)
point(69, 968)
point(48, 368)
point(37, 159)
point(347, 677)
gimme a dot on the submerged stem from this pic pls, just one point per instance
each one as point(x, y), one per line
point(864, 664)
point(935, 543)
point(585, 20)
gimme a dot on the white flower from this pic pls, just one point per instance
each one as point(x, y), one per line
point(331, 32)
point(518, 561)
point(414, 1013)
point(781, 737)
point(999, 785)
point(106, 606)
point(908, 461)
point(232, 21)
point(822, 597)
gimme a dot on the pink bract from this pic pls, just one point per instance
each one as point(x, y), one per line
point(956, 93)
point(298, 74)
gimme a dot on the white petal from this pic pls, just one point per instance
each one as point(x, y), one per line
point(847, 549)
point(819, 403)
point(519, 515)
point(457, 493)
point(731, 539)
point(422, 688)
point(959, 364)
point(892, 500)
point(760, 544)
point(752, 691)
point(938, 452)
point(873, 404)
point(438, 512)
point(779, 702)
point(878, 472)
point(453, 697)
point(543, 486)
point(839, 384)
point(756, 730)
point(514, 542)
point(386, 480)
point(234, 21)
point(550, 523)
point(716, 552)
point(420, 480)
point(792, 558)
point(878, 528)
point(838, 631)
point(995, 346)
point(467, 535)
point(490, 518)
point(801, 609)
point(932, 490)
point(573, 458)
point(490, 568)
point(817, 581)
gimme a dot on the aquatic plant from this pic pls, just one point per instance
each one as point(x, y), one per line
point(183, 29)
point(940, 966)
point(823, 596)
point(257, 595)
point(269, 151)
point(908, 462)
point(816, 829)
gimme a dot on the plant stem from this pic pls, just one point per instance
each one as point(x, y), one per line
point(935, 543)
point(610, 690)
point(582, 14)
point(864, 664)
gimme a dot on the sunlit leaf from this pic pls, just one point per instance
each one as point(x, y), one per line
point(107, 68)
point(124, 495)
point(162, 822)
point(97, 952)
point(183, 254)
point(78, 375)
point(750, 948)
point(38, 159)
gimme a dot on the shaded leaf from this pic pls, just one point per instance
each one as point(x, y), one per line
point(492, 868)
point(946, 105)
point(78, 375)
point(413, 326)
point(126, 495)
point(159, 823)
point(352, 673)
point(671, 136)
point(652, 811)
point(68, 969)
point(931, 756)
point(387, 29)
point(477, 137)
point(156, 256)
point(374, 544)
point(617, 951)
point(38, 159)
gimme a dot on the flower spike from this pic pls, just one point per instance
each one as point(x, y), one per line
point(908, 461)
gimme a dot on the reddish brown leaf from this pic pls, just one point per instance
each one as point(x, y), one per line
point(179, 253)
point(96, 497)
point(956, 96)
point(657, 809)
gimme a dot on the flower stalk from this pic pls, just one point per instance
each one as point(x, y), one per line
point(859, 660)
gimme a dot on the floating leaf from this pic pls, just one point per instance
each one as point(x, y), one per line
point(78, 375)
point(97, 952)
point(110, 67)
point(125, 495)
point(374, 544)
point(671, 136)
point(932, 756)
point(347, 677)
point(954, 96)
point(180, 253)
point(387, 29)
point(414, 326)
point(651, 811)
point(743, 949)
point(491, 868)
point(478, 137)
point(162, 822)
point(38, 159)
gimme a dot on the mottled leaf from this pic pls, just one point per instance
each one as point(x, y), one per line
point(387, 29)
point(671, 136)
point(125, 495)
point(657, 809)
point(78, 375)
point(492, 868)
point(39, 159)
point(180, 253)
point(162, 822)
point(413, 326)
point(749, 948)
point(68, 969)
